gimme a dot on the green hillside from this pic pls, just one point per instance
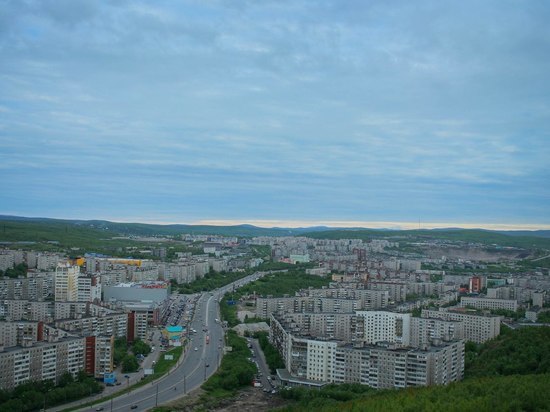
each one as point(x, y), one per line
point(17, 229)
point(522, 351)
point(503, 393)
point(505, 374)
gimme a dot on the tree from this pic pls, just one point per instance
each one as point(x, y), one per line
point(140, 347)
point(130, 364)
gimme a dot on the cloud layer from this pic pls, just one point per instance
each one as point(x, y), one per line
point(283, 110)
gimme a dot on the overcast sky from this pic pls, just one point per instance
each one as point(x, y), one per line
point(283, 111)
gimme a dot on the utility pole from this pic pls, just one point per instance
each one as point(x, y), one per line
point(184, 384)
point(111, 404)
point(157, 396)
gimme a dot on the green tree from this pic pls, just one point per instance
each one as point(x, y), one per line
point(140, 347)
point(130, 364)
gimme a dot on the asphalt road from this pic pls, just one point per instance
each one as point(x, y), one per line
point(196, 366)
point(259, 358)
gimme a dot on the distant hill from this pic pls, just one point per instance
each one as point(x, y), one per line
point(16, 228)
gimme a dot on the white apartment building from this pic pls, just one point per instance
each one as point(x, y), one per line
point(488, 303)
point(477, 327)
point(309, 360)
point(66, 283)
point(381, 326)
point(320, 360)
point(426, 331)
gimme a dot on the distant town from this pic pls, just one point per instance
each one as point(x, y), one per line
point(392, 312)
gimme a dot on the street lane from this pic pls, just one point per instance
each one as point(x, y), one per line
point(192, 371)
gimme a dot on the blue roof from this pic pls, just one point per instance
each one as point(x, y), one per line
point(174, 328)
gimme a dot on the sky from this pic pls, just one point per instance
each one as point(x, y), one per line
point(292, 113)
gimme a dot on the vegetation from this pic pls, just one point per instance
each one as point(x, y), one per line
point(15, 272)
point(235, 371)
point(128, 360)
point(543, 317)
point(210, 281)
point(228, 310)
point(163, 365)
point(280, 284)
point(504, 393)
point(272, 356)
point(331, 395)
point(34, 396)
point(518, 314)
point(515, 352)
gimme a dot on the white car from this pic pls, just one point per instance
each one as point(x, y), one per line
point(196, 349)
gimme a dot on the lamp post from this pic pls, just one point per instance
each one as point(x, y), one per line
point(184, 384)
point(157, 396)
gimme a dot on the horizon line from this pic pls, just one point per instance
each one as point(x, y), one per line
point(330, 224)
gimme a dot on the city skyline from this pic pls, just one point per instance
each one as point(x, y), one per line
point(393, 115)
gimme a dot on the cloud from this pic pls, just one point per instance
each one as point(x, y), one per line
point(277, 110)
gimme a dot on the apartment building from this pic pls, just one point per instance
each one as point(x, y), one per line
point(427, 331)
point(41, 361)
point(33, 287)
point(66, 283)
point(115, 324)
point(384, 365)
point(340, 326)
point(382, 326)
point(267, 306)
point(477, 327)
point(99, 355)
point(369, 299)
point(20, 333)
point(397, 290)
point(7, 260)
point(47, 261)
point(489, 303)
point(16, 310)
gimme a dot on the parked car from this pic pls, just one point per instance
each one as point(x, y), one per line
point(133, 407)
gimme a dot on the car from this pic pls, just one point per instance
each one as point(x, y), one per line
point(133, 407)
point(118, 384)
point(207, 365)
point(99, 409)
point(196, 349)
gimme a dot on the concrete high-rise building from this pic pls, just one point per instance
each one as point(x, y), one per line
point(66, 283)
point(314, 362)
point(41, 361)
point(477, 327)
point(381, 326)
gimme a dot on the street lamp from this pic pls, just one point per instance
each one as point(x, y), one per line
point(45, 396)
